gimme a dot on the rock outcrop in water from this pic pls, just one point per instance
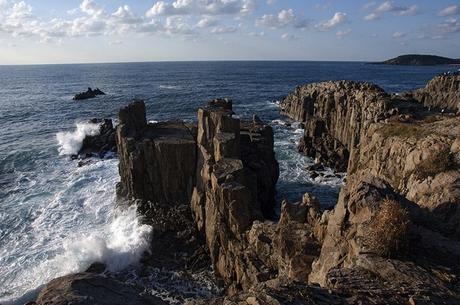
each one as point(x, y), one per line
point(102, 143)
point(90, 93)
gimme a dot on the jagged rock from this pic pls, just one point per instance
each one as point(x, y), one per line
point(90, 93)
point(157, 161)
point(92, 288)
point(442, 92)
point(334, 114)
point(101, 143)
point(235, 185)
point(397, 150)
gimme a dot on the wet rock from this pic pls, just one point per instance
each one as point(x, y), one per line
point(90, 93)
point(100, 144)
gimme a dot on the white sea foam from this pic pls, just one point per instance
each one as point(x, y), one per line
point(170, 87)
point(73, 222)
point(70, 142)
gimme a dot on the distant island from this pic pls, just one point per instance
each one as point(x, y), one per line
point(419, 60)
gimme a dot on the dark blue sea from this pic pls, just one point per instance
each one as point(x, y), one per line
point(57, 218)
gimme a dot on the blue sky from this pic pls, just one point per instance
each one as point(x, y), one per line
point(44, 31)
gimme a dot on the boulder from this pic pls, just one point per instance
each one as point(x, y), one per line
point(92, 288)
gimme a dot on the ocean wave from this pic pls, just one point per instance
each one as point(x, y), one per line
point(170, 87)
point(70, 142)
point(70, 224)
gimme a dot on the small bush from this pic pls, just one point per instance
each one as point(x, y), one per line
point(430, 167)
point(387, 232)
point(402, 130)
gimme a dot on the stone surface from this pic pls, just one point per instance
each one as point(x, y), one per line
point(90, 93)
point(442, 92)
point(398, 150)
point(102, 143)
point(91, 288)
point(334, 115)
point(157, 161)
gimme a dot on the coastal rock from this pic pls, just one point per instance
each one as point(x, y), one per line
point(157, 160)
point(235, 185)
point(102, 143)
point(442, 92)
point(334, 115)
point(92, 288)
point(90, 93)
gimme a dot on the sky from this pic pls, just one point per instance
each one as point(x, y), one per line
point(87, 31)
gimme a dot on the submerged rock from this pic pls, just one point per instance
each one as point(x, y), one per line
point(90, 93)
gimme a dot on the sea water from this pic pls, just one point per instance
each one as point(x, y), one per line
point(57, 218)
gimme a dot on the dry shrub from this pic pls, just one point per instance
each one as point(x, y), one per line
point(388, 230)
point(431, 167)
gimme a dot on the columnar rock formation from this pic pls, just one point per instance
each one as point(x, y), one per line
point(402, 153)
point(157, 161)
point(392, 238)
point(442, 92)
point(334, 115)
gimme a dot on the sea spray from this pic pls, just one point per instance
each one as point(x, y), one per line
point(70, 142)
point(72, 222)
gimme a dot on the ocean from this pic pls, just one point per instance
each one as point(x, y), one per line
point(57, 218)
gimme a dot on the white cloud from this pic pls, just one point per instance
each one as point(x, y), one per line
point(223, 30)
point(389, 6)
point(202, 7)
point(336, 20)
point(287, 36)
point(91, 8)
point(270, 2)
point(372, 17)
point(207, 21)
point(448, 26)
point(450, 11)
point(398, 35)
point(124, 15)
point(256, 34)
point(343, 33)
point(283, 18)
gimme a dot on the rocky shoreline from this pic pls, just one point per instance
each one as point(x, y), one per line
point(208, 191)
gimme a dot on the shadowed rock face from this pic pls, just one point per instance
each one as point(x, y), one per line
point(92, 288)
point(406, 154)
point(442, 92)
point(334, 115)
point(102, 143)
point(157, 161)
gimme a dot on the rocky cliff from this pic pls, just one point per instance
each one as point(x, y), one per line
point(394, 230)
point(392, 238)
point(442, 92)
point(334, 115)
